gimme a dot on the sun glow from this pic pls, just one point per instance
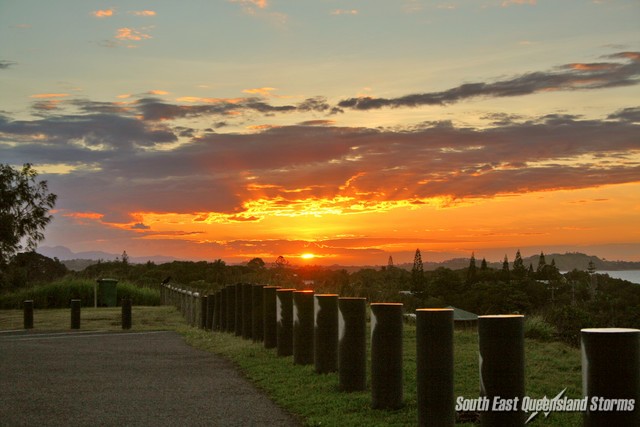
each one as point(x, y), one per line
point(307, 256)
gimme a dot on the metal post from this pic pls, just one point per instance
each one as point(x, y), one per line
point(28, 314)
point(126, 313)
point(284, 310)
point(501, 342)
point(303, 327)
point(326, 333)
point(386, 356)
point(352, 347)
point(611, 373)
point(270, 313)
point(247, 308)
point(257, 316)
point(75, 313)
point(434, 345)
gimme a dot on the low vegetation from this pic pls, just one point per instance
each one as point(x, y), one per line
point(58, 294)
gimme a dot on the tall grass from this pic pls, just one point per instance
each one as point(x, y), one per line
point(59, 293)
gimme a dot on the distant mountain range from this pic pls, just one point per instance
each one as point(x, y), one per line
point(564, 262)
point(80, 260)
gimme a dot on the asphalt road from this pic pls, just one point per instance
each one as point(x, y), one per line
point(124, 379)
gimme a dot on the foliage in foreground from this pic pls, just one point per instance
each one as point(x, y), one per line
point(58, 294)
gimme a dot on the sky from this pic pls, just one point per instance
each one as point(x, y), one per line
point(328, 131)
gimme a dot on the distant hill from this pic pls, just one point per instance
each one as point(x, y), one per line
point(81, 260)
point(565, 262)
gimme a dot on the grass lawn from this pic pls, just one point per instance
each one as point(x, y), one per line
point(550, 367)
point(96, 319)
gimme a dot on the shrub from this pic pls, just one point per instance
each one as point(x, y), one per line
point(536, 328)
point(58, 294)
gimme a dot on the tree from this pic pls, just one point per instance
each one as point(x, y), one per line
point(504, 274)
point(542, 263)
point(417, 273)
point(519, 270)
point(471, 271)
point(24, 210)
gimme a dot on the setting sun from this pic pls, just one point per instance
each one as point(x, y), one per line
point(307, 256)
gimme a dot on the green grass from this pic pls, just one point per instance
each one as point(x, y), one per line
point(96, 319)
point(550, 367)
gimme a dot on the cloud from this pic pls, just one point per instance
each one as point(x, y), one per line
point(105, 13)
point(263, 91)
point(49, 95)
point(315, 168)
point(142, 12)
point(574, 76)
point(6, 64)
point(344, 12)
point(507, 3)
point(131, 34)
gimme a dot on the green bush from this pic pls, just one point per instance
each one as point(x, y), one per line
point(536, 328)
point(58, 294)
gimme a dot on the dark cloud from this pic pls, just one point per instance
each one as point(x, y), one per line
point(6, 64)
point(97, 131)
point(156, 109)
point(220, 172)
point(575, 76)
point(631, 115)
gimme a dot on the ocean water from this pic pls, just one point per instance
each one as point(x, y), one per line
point(630, 275)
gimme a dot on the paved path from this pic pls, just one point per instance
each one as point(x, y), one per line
point(124, 379)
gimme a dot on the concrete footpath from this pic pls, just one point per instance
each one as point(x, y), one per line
point(124, 379)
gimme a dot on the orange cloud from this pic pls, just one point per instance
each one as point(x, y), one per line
point(143, 13)
point(131, 34)
point(49, 95)
point(508, 3)
point(158, 92)
point(196, 99)
point(261, 4)
point(263, 91)
point(106, 13)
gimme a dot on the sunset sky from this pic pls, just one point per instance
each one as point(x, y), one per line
point(350, 130)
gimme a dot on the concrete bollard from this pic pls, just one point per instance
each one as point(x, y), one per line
point(352, 345)
point(303, 305)
point(247, 309)
point(270, 314)
point(239, 310)
point(211, 311)
point(284, 310)
point(231, 308)
point(126, 313)
point(204, 311)
point(434, 345)
point(222, 312)
point(501, 342)
point(75, 313)
point(325, 335)
point(611, 373)
point(196, 314)
point(28, 314)
point(386, 356)
point(257, 316)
